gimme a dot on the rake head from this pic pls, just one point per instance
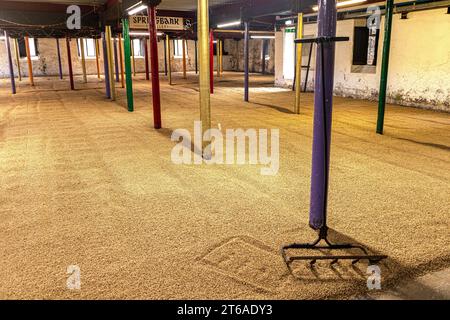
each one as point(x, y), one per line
point(333, 258)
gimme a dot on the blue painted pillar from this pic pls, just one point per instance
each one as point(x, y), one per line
point(323, 100)
point(10, 63)
point(105, 63)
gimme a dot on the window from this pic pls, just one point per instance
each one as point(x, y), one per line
point(178, 48)
point(89, 48)
point(365, 46)
point(138, 48)
point(33, 44)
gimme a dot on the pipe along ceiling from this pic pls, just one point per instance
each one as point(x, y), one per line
point(48, 18)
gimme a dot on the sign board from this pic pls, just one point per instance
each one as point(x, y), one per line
point(162, 23)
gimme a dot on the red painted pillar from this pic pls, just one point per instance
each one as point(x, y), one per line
point(69, 60)
point(147, 76)
point(211, 61)
point(154, 66)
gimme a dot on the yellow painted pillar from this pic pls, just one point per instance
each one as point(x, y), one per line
point(298, 66)
point(109, 52)
point(83, 60)
point(169, 59)
point(204, 76)
point(30, 66)
point(16, 51)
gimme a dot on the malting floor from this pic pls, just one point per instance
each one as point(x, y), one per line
point(84, 182)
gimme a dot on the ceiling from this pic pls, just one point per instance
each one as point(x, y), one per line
point(190, 5)
point(79, 2)
point(48, 17)
point(165, 4)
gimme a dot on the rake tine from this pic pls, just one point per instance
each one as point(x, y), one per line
point(354, 258)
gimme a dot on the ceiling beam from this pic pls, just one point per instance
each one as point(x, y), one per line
point(45, 19)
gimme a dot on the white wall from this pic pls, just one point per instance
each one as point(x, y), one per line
point(419, 69)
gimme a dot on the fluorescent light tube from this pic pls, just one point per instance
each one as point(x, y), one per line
point(262, 37)
point(141, 33)
point(343, 3)
point(229, 24)
point(137, 9)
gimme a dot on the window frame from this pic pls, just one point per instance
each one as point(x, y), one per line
point(86, 48)
point(365, 43)
point(34, 48)
point(178, 49)
point(141, 44)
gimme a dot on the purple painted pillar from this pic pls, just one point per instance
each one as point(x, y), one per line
point(11, 69)
point(323, 100)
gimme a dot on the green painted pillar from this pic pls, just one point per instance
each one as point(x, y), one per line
point(127, 58)
point(385, 65)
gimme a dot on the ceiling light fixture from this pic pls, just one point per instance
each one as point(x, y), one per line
point(137, 33)
point(262, 37)
point(343, 4)
point(138, 7)
point(229, 24)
